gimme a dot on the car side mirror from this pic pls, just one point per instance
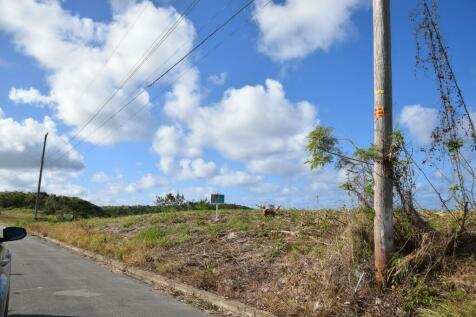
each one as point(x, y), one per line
point(13, 233)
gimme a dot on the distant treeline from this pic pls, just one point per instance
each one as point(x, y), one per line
point(59, 205)
point(112, 211)
point(51, 204)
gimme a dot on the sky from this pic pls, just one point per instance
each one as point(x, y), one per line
point(232, 117)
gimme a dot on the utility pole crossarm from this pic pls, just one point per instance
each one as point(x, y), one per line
point(383, 196)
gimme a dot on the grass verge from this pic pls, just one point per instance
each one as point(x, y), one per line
point(296, 264)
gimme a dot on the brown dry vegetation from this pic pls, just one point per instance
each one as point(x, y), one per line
point(296, 264)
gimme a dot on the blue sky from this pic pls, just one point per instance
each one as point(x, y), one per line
point(232, 118)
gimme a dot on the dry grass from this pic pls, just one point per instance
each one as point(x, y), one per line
point(295, 264)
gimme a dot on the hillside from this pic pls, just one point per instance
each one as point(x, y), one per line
point(295, 264)
point(50, 204)
point(58, 205)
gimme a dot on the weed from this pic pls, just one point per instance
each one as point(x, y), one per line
point(152, 235)
point(420, 295)
point(288, 265)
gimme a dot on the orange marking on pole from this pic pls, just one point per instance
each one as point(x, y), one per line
point(379, 112)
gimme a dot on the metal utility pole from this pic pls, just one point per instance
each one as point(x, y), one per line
point(39, 180)
point(383, 196)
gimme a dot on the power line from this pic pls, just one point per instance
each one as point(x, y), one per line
point(114, 51)
point(108, 59)
point(143, 106)
point(155, 45)
point(184, 43)
point(143, 89)
point(141, 62)
point(202, 42)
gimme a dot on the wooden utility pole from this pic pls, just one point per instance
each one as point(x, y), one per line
point(383, 196)
point(39, 180)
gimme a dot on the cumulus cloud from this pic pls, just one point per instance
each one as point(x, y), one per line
point(21, 145)
point(290, 163)
point(218, 80)
point(170, 142)
point(325, 187)
point(73, 51)
point(265, 188)
point(121, 6)
point(20, 152)
point(54, 181)
point(257, 125)
point(31, 95)
point(255, 122)
point(100, 177)
point(235, 178)
point(184, 98)
point(197, 192)
point(420, 122)
point(197, 168)
point(146, 182)
point(295, 28)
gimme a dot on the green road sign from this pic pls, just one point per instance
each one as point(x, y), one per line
point(217, 199)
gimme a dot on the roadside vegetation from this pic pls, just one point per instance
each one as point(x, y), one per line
point(312, 263)
point(298, 263)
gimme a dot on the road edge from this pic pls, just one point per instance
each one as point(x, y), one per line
point(162, 281)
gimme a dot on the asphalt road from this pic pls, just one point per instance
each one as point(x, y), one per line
point(50, 281)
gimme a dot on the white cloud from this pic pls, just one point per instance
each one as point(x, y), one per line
point(149, 181)
point(21, 145)
point(121, 6)
point(31, 95)
point(420, 122)
point(72, 49)
point(325, 187)
point(169, 142)
point(291, 163)
point(296, 28)
point(100, 177)
point(20, 152)
point(146, 182)
point(218, 80)
point(197, 192)
point(197, 168)
point(257, 125)
point(184, 99)
point(235, 178)
point(255, 122)
point(265, 188)
point(166, 164)
point(54, 181)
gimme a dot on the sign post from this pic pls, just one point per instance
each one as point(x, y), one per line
point(217, 199)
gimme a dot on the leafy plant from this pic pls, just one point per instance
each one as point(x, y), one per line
point(322, 146)
point(420, 295)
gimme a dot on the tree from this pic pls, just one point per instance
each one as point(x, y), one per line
point(323, 149)
point(170, 200)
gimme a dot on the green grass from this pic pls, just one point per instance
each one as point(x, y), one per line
point(20, 216)
point(454, 303)
point(244, 253)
